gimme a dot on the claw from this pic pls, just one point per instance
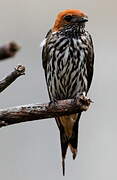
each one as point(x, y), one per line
point(53, 103)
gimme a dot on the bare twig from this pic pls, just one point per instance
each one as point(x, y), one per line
point(42, 111)
point(19, 70)
point(9, 50)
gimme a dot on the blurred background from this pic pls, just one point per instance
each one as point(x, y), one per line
point(31, 151)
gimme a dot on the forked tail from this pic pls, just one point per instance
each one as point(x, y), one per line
point(72, 142)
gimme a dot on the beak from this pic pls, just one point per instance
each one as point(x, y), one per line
point(83, 19)
point(80, 19)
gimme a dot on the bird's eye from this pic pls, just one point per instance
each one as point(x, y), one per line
point(68, 18)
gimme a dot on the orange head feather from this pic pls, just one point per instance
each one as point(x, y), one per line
point(67, 17)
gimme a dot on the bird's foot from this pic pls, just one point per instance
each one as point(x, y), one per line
point(76, 98)
point(85, 99)
point(53, 103)
point(82, 98)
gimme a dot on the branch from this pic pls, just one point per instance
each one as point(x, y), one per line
point(9, 50)
point(33, 112)
point(19, 70)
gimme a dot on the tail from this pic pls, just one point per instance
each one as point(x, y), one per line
point(72, 142)
point(64, 146)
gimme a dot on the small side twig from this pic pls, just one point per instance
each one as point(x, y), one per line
point(42, 111)
point(9, 50)
point(18, 71)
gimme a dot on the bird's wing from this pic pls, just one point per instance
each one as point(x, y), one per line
point(90, 62)
point(45, 56)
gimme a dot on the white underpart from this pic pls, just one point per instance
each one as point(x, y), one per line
point(43, 43)
point(54, 32)
point(66, 54)
point(75, 44)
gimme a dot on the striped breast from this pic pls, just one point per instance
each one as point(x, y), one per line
point(66, 69)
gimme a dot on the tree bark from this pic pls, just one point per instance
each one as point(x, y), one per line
point(18, 71)
point(9, 50)
point(33, 112)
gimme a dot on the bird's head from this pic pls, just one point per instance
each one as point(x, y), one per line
point(69, 17)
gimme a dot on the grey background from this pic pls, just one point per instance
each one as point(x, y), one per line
point(31, 151)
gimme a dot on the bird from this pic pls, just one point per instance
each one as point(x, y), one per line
point(68, 62)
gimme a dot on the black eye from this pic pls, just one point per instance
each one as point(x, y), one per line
point(68, 18)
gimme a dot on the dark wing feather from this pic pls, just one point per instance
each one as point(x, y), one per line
point(45, 57)
point(90, 62)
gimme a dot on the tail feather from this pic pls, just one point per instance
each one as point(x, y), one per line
point(64, 146)
point(73, 142)
point(63, 166)
point(66, 141)
point(73, 150)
